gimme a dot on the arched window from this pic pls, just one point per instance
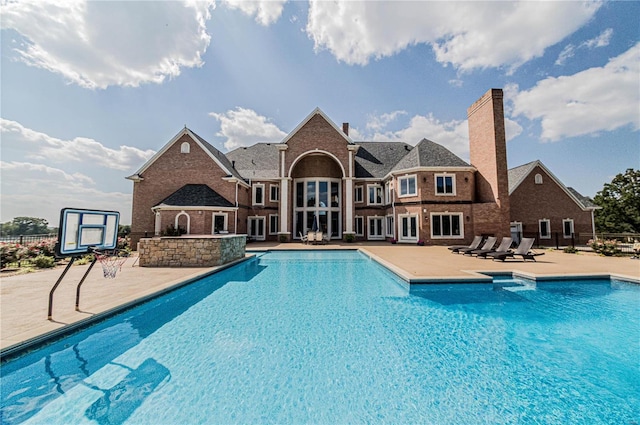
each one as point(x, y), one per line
point(538, 179)
point(185, 147)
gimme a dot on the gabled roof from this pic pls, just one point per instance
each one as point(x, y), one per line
point(315, 112)
point(429, 154)
point(195, 195)
point(376, 159)
point(217, 156)
point(517, 175)
point(259, 161)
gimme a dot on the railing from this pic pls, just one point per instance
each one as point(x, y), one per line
point(581, 240)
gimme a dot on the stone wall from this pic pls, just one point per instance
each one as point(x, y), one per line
point(191, 251)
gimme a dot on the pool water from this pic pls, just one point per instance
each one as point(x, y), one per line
point(333, 338)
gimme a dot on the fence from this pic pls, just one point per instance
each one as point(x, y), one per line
point(25, 239)
point(581, 240)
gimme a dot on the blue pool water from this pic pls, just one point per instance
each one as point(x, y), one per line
point(331, 338)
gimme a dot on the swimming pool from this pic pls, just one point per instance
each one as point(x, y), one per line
point(331, 337)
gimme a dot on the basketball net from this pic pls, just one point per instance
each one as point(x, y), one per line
point(111, 262)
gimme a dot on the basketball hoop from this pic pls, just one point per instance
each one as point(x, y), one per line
point(111, 261)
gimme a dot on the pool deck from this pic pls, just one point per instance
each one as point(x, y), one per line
point(24, 298)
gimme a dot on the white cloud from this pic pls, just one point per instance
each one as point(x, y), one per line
point(79, 149)
point(589, 102)
point(466, 35)
point(97, 44)
point(568, 52)
point(244, 127)
point(37, 190)
point(379, 122)
point(601, 40)
point(265, 11)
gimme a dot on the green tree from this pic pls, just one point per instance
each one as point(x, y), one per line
point(620, 203)
point(25, 226)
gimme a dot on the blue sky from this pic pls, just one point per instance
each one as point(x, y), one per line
point(90, 90)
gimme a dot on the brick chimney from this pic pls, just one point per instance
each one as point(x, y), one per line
point(345, 128)
point(488, 153)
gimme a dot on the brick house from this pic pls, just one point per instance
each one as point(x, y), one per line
point(317, 173)
point(544, 208)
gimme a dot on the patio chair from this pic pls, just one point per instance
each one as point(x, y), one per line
point(523, 250)
point(636, 251)
point(488, 244)
point(474, 245)
point(303, 239)
point(320, 238)
point(326, 238)
point(311, 237)
point(505, 246)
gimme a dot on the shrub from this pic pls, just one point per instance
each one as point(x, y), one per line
point(349, 237)
point(282, 238)
point(420, 242)
point(570, 250)
point(607, 248)
point(394, 241)
point(9, 253)
point(43, 262)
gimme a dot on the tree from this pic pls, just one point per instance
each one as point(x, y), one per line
point(25, 226)
point(620, 203)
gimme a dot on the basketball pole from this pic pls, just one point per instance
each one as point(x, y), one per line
point(50, 311)
point(95, 258)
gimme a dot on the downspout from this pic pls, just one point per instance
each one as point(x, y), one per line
point(393, 206)
point(236, 212)
point(593, 224)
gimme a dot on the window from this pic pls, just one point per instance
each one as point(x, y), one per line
point(219, 223)
point(545, 228)
point(538, 179)
point(358, 195)
point(446, 226)
point(375, 194)
point(274, 192)
point(387, 193)
point(273, 224)
point(375, 228)
point(390, 228)
point(358, 223)
point(407, 186)
point(185, 147)
point(258, 194)
point(408, 228)
point(318, 200)
point(445, 184)
point(567, 227)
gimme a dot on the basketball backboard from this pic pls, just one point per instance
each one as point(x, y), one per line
point(81, 229)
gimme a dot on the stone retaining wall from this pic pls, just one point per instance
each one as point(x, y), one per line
point(185, 251)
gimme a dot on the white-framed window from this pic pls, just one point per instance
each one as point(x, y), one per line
point(538, 178)
point(319, 201)
point(358, 195)
point(407, 186)
point(375, 194)
point(567, 228)
point(258, 194)
point(408, 228)
point(273, 224)
point(447, 226)
point(389, 227)
point(358, 223)
point(445, 184)
point(375, 228)
point(185, 147)
point(219, 223)
point(255, 228)
point(544, 227)
point(274, 193)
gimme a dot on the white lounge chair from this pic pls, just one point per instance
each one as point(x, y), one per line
point(303, 239)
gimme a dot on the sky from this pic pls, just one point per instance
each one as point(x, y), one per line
point(91, 90)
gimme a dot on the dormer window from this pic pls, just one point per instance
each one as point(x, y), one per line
point(538, 178)
point(185, 147)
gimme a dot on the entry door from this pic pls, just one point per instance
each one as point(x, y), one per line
point(408, 228)
point(256, 228)
point(375, 228)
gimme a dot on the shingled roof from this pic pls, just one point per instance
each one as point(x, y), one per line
point(429, 154)
point(259, 161)
point(219, 155)
point(195, 195)
point(376, 159)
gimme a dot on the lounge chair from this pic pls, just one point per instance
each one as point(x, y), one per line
point(523, 250)
point(505, 246)
point(303, 239)
point(488, 244)
point(474, 245)
point(311, 237)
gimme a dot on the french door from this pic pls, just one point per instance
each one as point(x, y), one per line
point(256, 228)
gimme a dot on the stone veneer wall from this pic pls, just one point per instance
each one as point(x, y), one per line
point(185, 251)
